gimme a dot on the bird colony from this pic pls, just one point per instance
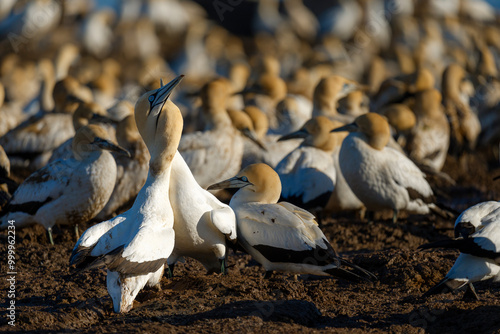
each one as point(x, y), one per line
point(159, 134)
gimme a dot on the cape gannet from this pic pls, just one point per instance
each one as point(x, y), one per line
point(201, 222)
point(275, 150)
point(135, 245)
point(217, 152)
point(70, 191)
point(430, 139)
point(328, 92)
point(477, 231)
point(39, 135)
point(381, 177)
point(280, 236)
point(307, 173)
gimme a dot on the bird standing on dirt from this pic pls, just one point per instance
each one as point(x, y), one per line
point(135, 245)
point(68, 191)
point(281, 236)
point(477, 230)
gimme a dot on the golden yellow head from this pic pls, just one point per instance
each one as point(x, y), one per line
point(374, 127)
point(159, 121)
point(257, 183)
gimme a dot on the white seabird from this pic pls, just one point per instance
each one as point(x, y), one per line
point(135, 245)
point(478, 238)
point(67, 191)
point(280, 236)
point(381, 177)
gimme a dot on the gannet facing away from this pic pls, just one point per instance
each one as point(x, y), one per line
point(280, 236)
point(201, 222)
point(136, 244)
point(67, 191)
point(478, 238)
point(380, 176)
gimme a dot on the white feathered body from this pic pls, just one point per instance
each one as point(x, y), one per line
point(202, 222)
point(283, 231)
point(212, 155)
point(384, 179)
point(66, 191)
point(307, 176)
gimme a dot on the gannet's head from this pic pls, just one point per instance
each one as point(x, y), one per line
point(399, 116)
point(331, 89)
point(257, 183)
point(374, 126)
point(428, 103)
point(259, 120)
point(87, 111)
point(159, 121)
point(243, 123)
point(317, 133)
point(91, 138)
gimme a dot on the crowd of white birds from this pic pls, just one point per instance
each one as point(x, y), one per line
point(311, 110)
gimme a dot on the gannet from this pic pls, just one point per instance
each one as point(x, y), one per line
point(217, 152)
point(39, 135)
point(68, 191)
point(308, 174)
point(201, 222)
point(430, 139)
point(381, 177)
point(477, 232)
point(328, 92)
point(464, 123)
point(280, 236)
point(135, 245)
point(402, 121)
point(396, 89)
point(132, 171)
point(275, 150)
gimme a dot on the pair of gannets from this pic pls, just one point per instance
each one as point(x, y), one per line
point(171, 217)
point(477, 233)
point(281, 236)
point(382, 177)
point(68, 191)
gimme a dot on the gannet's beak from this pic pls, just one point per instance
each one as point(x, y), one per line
point(107, 145)
point(353, 127)
point(158, 98)
point(302, 133)
point(464, 230)
point(253, 137)
point(234, 182)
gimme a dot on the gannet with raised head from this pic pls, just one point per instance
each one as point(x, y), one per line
point(477, 232)
point(280, 236)
point(135, 245)
point(381, 177)
point(68, 191)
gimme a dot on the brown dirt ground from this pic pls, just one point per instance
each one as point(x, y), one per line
point(50, 298)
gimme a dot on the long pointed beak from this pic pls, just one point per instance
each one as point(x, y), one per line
point(349, 127)
point(253, 137)
point(109, 146)
point(234, 182)
point(248, 90)
point(103, 119)
point(302, 133)
point(163, 93)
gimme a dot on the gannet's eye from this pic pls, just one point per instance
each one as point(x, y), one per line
point(244, 179)
point(151, 98)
